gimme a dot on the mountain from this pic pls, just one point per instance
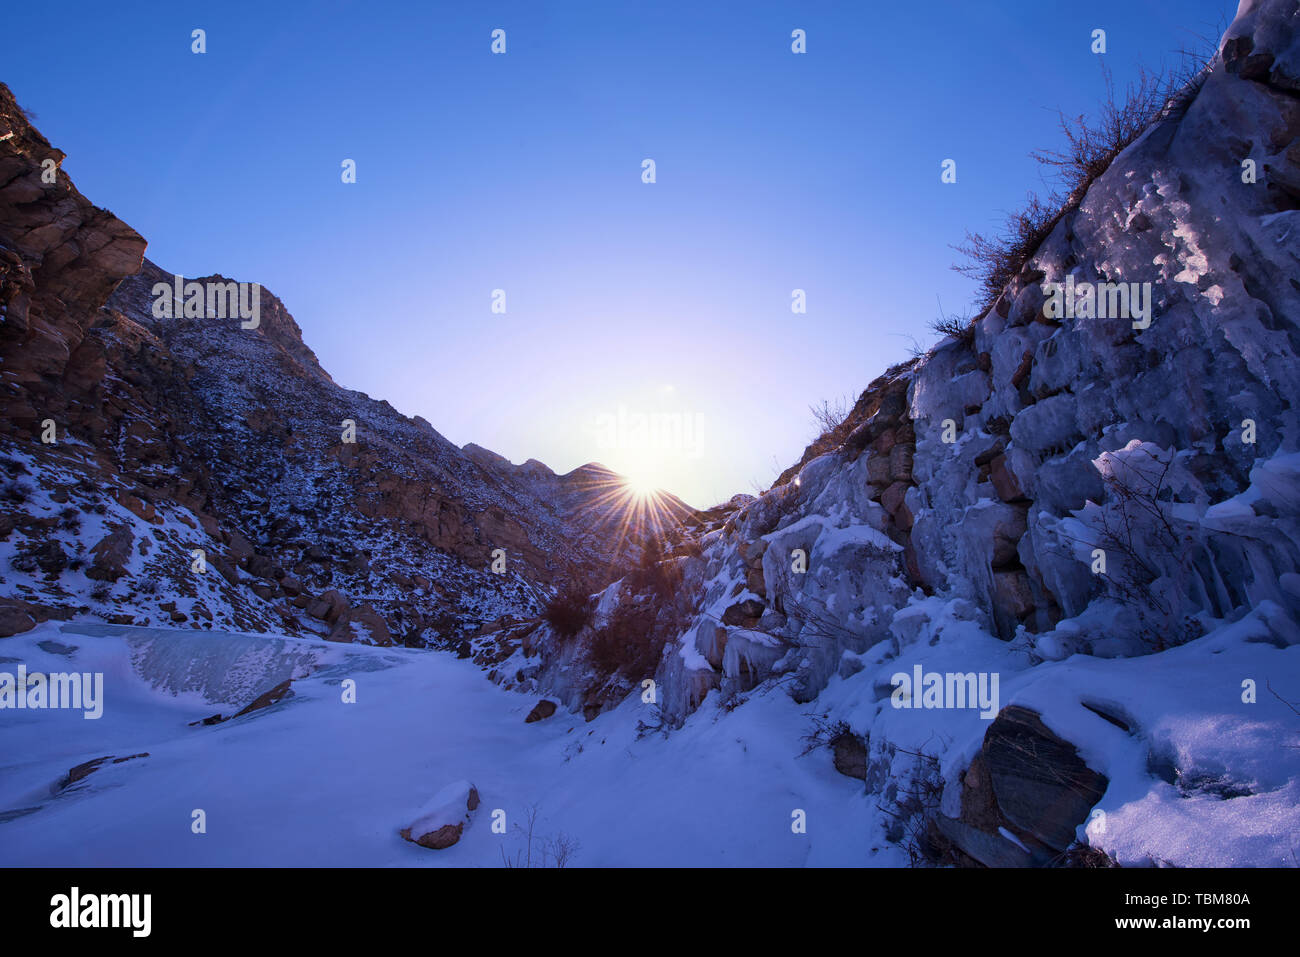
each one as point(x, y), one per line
point(1096, 517)
point(318, 510)
point(1034, 602)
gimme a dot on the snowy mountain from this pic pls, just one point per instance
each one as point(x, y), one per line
point(1035, 603)
point(1090, 519)
point(316, 508)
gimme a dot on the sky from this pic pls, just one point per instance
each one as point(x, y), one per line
point(647, 326)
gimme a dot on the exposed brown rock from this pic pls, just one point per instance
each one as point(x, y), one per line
point(542, 710)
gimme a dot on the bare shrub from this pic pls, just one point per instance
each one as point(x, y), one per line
point(1149, 554)
point(831, 417)
point(955, 326)
point(994, 259)
point(569, 611)
point(911, 809)
point(823, 733)
point(557, 850)
point(628, 643)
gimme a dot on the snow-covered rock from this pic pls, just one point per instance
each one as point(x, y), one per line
point(443, 819)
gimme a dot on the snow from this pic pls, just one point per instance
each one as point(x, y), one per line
point(312, 781)
point(1235, 797)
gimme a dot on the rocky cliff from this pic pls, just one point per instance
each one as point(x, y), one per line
point(194, 466)
point(1040, 593)
point(1063, 498)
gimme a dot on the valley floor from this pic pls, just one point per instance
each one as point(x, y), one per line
point(314, 781)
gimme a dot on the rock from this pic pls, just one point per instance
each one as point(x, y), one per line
point(1046, 425)
point(140, 508)
point(850, 755)
point(84, 770)
point(259, 566)
point(900, 463)
point(111, 555)
point(328, 606)
point(878, 469)
point(268, 698)
point(988, 848)
point(1029, 780)
point(542, 710)
point(745, 613)
point(1004, 481)
point(892, 497)
point(441, 822)
point(15, 618)
point(1012, 594)
point(224, 568)
point(1007, 533)
point(361, 624)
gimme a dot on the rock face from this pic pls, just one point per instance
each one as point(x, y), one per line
point(1069, 484)
point(442, 821)
point(193, 432)
point(991, 470)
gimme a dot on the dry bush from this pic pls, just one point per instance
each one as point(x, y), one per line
point(831, 418)
point(955, 326)
point(627, 643)
point(994, 259)
point(1146, 548)
point(569, 610)
point(557, 850)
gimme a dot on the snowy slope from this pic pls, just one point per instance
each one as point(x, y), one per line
point(313, 781)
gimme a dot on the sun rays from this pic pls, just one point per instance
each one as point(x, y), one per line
point(629, 508)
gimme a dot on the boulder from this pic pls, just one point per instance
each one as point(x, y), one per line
point(1031, 782)
point(15, 618)
point(541, 711)
point(224, 568)
point(1013, 596)
point(111, 555)
point(1005, 482)
point(328, 606)
point(361, 624)
point(850, 755)
point(441, 822)
point(745, 613)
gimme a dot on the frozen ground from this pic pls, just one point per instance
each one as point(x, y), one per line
point(314, 781)
point(1200, 776)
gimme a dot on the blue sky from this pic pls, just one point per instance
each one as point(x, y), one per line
point(522, 172)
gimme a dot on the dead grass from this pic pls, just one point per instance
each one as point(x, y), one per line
point(1091, 144)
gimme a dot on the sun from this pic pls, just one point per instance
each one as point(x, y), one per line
point(641, 485)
